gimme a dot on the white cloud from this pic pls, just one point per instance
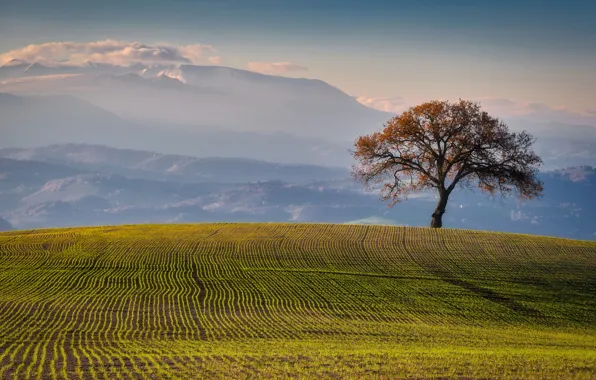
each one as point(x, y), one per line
point(275, 67)
point(174, 73)
point(394, 105)
point(498, 107)
point(216, 60)
point(119, 53)
point(196, 53)
point(506, 108)
point(513, 108)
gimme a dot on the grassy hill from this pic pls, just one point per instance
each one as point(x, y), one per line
point(294, 300)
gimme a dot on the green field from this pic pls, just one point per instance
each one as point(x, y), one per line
point(294, 300)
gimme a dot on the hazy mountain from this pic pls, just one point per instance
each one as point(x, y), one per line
point(4, 225)
point(215, 111)
point(197, 97)
point(561, 145)
point(151, 165)
point(29, 121)
point(36, 120)
point(20, 178)
point(84, 190)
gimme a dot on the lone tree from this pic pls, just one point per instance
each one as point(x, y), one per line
point(445, 145)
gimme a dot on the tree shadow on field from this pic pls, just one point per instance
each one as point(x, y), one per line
point(485, 293)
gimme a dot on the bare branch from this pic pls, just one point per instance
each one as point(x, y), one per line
point(444, 145)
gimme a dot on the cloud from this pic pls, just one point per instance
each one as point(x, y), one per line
point(119, 53)
point(275, 67)
point(502, 108)
point(394, 105)
point(174, 73)
point(512, 108)
point(522, 216)
point(540, 112)
point(216, 60)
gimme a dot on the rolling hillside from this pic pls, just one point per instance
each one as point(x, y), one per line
point(294, 300)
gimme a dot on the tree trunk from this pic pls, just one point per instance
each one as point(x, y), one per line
point(437, 216)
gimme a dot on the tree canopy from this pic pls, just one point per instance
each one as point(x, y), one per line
point(443, 145)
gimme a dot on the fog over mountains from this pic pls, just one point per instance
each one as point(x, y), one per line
point(201, 97)
point(70, 185)
point(101, 144)
point(209, 111)
point(164, 167)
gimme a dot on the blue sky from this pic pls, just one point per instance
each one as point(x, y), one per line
point(526, 51)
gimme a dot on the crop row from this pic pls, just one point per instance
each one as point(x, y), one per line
point(77, 301)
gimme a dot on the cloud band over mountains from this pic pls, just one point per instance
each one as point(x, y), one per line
point(118, 53)
point(275, 67)
point(126, 53)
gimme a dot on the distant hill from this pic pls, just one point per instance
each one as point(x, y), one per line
point(201, 96)
point(151, 165)
point(274, 300)
point(37, 120)
point(30, 121)
point(561, 145)
point(4, 225)
point(70, 185)
point(217, 111)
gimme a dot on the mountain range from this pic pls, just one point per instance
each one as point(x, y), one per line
point(199, 97)
point(102, 144)
point(30, 121)
point(207, 111)
point(156, 166)
point(68, 185)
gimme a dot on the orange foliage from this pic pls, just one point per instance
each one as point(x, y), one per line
point(442, 145)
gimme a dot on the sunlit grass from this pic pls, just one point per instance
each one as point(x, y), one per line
point(281, 300)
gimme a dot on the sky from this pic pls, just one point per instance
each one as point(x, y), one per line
point(387, 54)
